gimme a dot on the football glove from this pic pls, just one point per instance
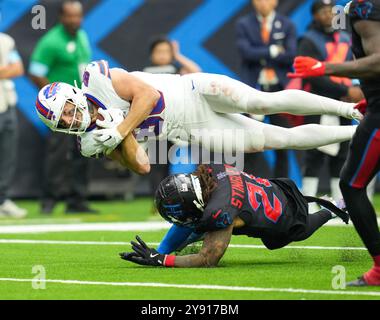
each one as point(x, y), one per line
point(305, 67)
point(146, 256)
point(111, 118)
point(110, 138)
point(361, 106)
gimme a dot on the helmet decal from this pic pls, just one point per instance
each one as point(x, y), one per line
point(45, 112)
point(173, 209)
point(51, 90)
point(179, 199)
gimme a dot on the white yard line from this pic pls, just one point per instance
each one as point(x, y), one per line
point(199, 287)
point(103, 226)
point(95, 226)
point(118, 243)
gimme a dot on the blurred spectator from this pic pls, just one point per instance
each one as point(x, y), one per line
point(165, 57)
point(324, 43)
point(267, 43)
point(61, 55)
point(11, 66)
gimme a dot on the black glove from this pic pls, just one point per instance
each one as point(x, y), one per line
point(144, 255)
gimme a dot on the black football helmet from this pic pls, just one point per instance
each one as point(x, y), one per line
point(179, 199)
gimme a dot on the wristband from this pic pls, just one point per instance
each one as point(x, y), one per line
point(169, 260)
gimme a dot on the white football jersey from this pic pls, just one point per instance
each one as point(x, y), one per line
point(98, 88)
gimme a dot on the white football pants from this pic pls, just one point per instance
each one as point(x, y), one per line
point(213, 117)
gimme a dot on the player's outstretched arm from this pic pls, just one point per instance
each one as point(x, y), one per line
point(132, 156)
point(143, 98)
point(363, 68)
point(174, 238)
point(214, 246)
point(367, 67)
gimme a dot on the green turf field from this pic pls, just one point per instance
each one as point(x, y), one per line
point(86, 265)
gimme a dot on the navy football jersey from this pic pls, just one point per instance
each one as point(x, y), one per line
point(267, 207)
point(365, 10)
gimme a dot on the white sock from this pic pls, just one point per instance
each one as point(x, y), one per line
point(371, 189)
point(310, 188)
point(305, 137)
point(336, 194)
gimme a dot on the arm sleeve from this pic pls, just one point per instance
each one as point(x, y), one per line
point(88, 46)
point(247, 51)
point(42, 59)
point(321, 84)
point(173, 239)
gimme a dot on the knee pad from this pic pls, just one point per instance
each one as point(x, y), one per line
point(225, 94)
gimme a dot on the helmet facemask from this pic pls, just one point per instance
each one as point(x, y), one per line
point(80, 120)
point(51, 103)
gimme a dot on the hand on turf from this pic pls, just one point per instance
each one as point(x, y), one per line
point(305, 67)
point(143, 255)
point(111, 118)
point(133, 257)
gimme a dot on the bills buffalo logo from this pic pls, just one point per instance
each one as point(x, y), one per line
point(51, 90)
point(361, 9)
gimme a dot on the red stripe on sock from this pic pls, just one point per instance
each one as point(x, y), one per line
point(371, 159)
point(372, 277)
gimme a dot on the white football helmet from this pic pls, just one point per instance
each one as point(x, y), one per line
point(51, 101)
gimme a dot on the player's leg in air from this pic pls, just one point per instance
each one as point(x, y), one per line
point(235, 132)
point(362, 164)
point(226, 95)
point(313, 223)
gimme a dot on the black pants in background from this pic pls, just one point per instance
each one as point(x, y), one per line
point(65, 170)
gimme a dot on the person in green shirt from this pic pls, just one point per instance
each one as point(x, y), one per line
point(61, 55)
